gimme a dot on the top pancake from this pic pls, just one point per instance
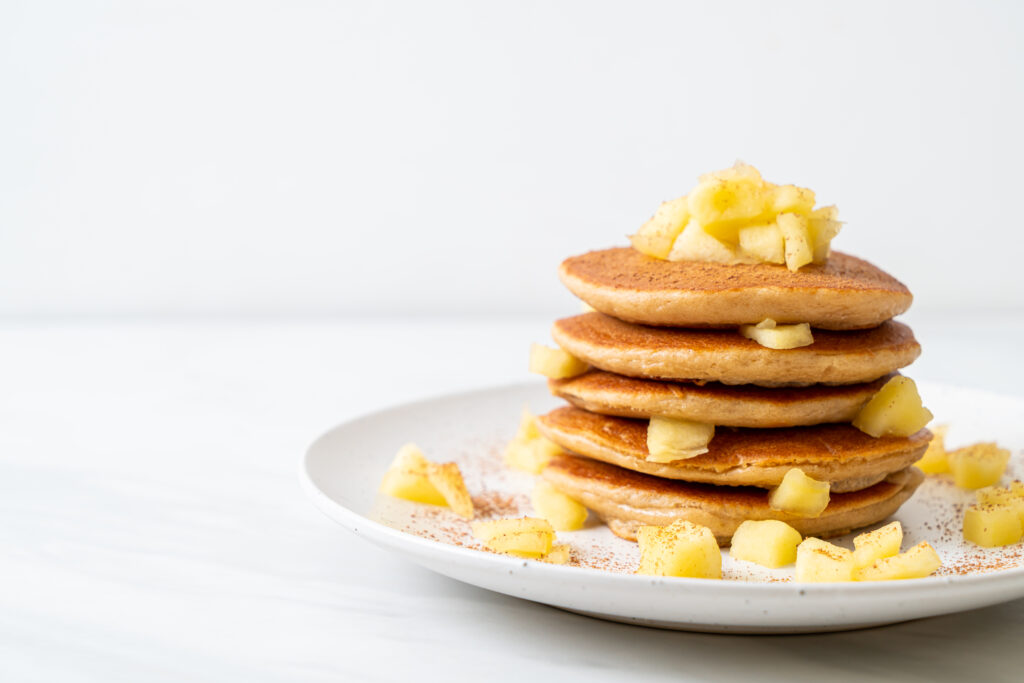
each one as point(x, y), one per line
point(844, 293)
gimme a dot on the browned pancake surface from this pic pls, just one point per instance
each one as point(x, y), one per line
point(607, 332)
point(837, 453)
point(626, 500)
point(668, 492)
point(843, 293)
point(726, 356)
point(828, 443)
point(627, 268)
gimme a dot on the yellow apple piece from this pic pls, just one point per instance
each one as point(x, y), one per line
point(819, 561)
point(822, 232)
point(559, 554)
point(531, 455)
point(799, 495)
point(769, 543)
point(992, 525)
point(992, 495)
point(771, 335)
point(875, 545)
point(917, 563)
point(447, 479)
point(792, 199)
point(555, 363)
point(763, 243)
point(826, 213)
point(407, 478)
point(564, 513)
point(656, 236)
point(693, 244)
point(669, 439)
point(680, 549)
point(895, 410)
point(529, 451)
point(412, 477)
point(528, 429)
point(721, 206)
point(525, 537)
point(978, 465)
point(935, 459)
point(798, 240)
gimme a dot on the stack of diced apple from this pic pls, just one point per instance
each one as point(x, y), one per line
point(735, 216)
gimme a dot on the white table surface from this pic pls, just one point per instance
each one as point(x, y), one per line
point(152, 526)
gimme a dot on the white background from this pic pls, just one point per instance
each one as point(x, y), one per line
point(441, 158)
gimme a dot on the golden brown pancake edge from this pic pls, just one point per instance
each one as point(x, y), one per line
point(624, 348)
point(625, 500)
point(837, 453)
point(843, 293)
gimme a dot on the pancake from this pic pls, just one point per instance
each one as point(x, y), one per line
point(725, 356)
point(719, 404)
point(626, 500)
point(837, 453)
point(844, 293)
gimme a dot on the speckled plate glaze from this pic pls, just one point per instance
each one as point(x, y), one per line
point(343, 468)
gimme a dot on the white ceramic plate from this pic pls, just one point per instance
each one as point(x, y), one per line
point(343, 468)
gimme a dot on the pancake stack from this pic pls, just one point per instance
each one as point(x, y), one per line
point(663, 341)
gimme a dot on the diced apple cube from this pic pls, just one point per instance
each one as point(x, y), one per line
point(560, 554)
point(991, 495)
point(525, 537)
point(827, 213)
point(721, 206)
point(798, 240)
point(447, 479)
point(679, 549)
point(800, 495)
point(935, 460)
point(769, 543)
point(771, 335)
point(527, 426)
point(555, 363)
point(763, 242)
point(531, 455)
point(656, 236)
point(669, 439)
point(693, 244)
point(918, 562)
point(819, 561)
point(875, 545)
point(792, 199)
point(412, 477)
point(978, 465)
point(564, 513)
point(407, 478)
point(992, 525)
point(895, 410)
point(822, 232)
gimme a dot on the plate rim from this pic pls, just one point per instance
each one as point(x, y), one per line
point(352, 520)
